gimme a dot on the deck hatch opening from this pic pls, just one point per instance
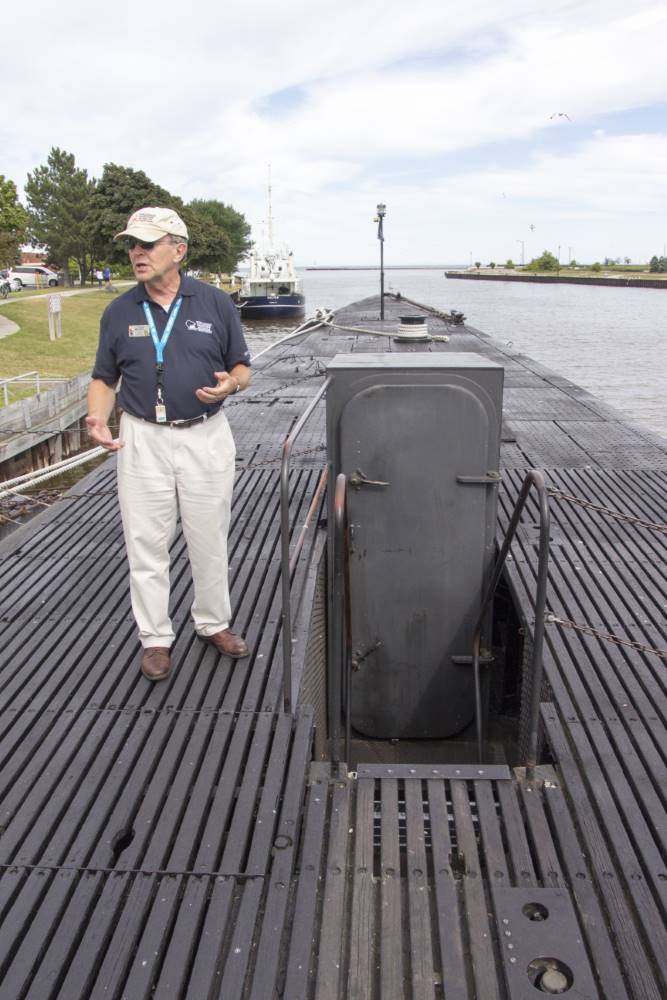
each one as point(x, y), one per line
point(120, 842)
point(457, 863)
point(399, 834)
point(535, 912)
point(550, 976)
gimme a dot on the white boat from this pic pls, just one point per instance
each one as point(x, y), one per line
point(271, 288)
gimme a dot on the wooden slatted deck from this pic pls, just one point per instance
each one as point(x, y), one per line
point(175, 840)
point(458, 885)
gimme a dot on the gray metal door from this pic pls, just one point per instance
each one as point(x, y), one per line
point(418, 553)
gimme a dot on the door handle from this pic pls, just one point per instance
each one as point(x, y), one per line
point(358, 479)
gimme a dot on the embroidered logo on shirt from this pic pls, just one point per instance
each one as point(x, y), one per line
point(198, 326)
point(138, 331)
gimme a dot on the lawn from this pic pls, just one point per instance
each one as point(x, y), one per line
point(31, 350)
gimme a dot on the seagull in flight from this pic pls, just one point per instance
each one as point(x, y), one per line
point(560, 114)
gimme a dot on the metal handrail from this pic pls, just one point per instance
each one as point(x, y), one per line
point(285, 571)
point(534, 478)
point(6, 382)
point(342, 642)
point(29, 378)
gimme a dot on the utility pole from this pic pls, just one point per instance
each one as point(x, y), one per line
point(523, 251)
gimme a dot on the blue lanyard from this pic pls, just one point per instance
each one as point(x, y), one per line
point(161, 344)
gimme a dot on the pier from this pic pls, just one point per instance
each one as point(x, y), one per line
point(192, 839)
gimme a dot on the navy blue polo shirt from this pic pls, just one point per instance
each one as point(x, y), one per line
point(207, 337)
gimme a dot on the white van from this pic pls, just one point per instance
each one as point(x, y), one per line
point(31, 276)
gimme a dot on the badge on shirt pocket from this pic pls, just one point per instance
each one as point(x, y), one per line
point(138, 331)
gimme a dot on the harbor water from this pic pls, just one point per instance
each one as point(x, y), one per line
point(609, 341)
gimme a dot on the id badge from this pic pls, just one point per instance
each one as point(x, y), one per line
point(161, 413)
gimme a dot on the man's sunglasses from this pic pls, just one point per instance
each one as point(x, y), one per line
point(131, 244)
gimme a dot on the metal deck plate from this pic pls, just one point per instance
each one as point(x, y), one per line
point(158, 841)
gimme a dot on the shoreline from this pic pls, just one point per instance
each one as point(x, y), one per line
point(375, 267)
point(557, 279)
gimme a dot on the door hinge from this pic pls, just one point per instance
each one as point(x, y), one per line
point(485, 659)
point(490, 479)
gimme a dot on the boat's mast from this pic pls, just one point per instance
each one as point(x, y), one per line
point(270, 215)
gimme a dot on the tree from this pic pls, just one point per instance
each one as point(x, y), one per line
point(59, 196)
point(209, 247)
point(218, 235)
point(13, 223)
point(597, 266)
point(120, 192)
point(478, 264)
point(547, 262)
point(230, 229)
point(509, 264)
point(658, 265)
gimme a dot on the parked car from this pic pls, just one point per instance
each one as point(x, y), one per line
point(31, 276)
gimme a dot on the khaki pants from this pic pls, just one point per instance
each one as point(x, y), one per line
point(162, 470)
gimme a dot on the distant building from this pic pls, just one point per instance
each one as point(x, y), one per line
point(33, 255)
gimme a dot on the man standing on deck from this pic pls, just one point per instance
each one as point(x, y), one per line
point(180, 349)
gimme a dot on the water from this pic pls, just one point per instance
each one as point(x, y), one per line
point(607, 340)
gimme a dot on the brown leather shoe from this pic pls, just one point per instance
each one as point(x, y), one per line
point(228, 642)
point(155, 663)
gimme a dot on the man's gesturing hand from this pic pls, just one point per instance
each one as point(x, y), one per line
point(98, 431)
point(226, 385)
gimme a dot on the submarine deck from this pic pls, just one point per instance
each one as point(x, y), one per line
point(180, 839)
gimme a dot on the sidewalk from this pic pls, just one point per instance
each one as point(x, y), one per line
point(7, 326)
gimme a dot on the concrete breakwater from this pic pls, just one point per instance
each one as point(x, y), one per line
point(556, 279)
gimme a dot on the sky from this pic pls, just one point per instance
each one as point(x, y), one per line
point(489, 130)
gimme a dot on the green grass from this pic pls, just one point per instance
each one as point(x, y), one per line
point(31, 350)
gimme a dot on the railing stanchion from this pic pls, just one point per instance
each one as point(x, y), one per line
point(286, 576)
point(535, 479)
point(342, 644)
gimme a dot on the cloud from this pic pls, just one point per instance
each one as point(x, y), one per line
point(607, 174)
point(434, 107)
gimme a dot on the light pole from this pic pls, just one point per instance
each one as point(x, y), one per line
point(523, 251)
point(379, 218)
